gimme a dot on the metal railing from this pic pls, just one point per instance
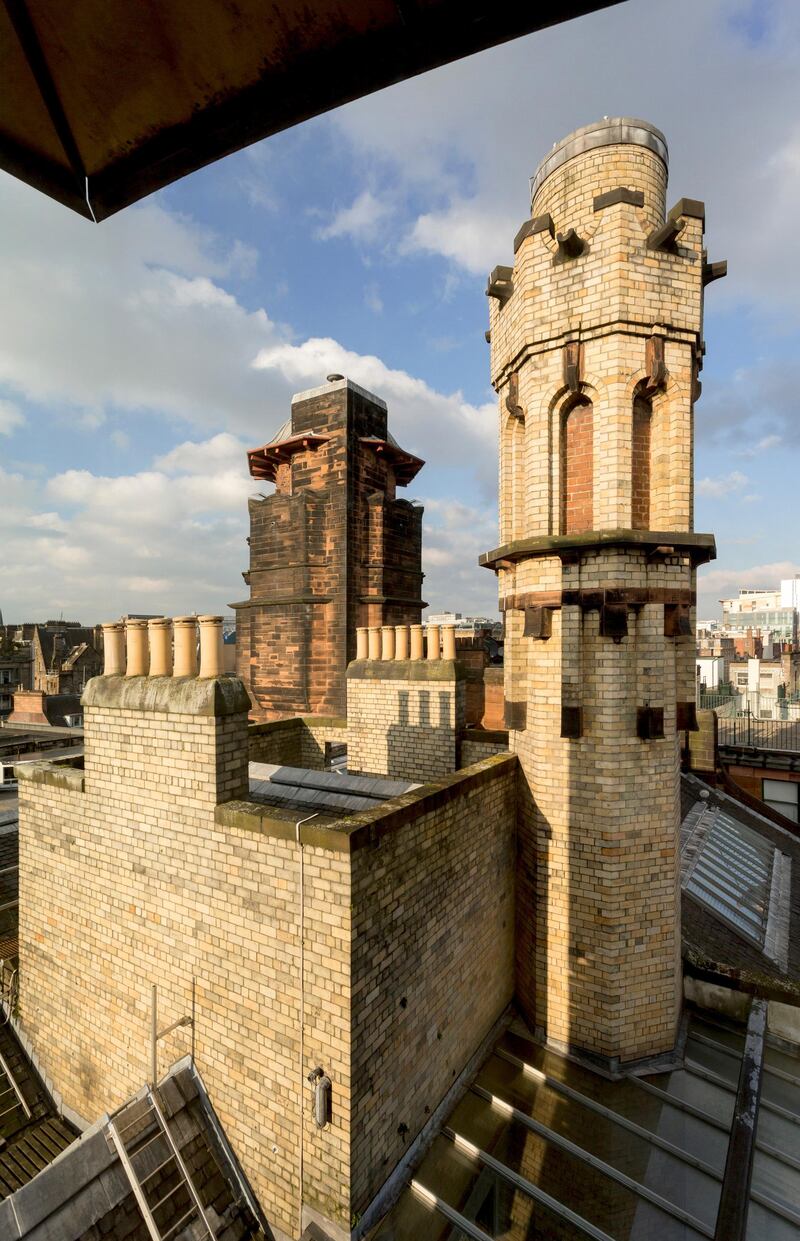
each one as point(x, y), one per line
point(747, 730)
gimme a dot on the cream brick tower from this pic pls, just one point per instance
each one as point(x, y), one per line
point(596, 345)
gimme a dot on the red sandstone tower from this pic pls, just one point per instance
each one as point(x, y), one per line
point(331, 549)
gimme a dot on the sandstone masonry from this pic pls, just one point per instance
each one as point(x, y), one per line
point(333, 548)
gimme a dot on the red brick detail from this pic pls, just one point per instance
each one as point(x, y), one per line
point(640, 464)
point(577, 468)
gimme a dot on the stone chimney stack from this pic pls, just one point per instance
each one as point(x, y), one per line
point(404, 712)
point(596, 347)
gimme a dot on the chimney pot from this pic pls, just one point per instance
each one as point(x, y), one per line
point(185, 630)
point(401, 641)
point(211, 654)
point(448, 641)
point(362, 643)
point(374, 642)
point(160, 632)
point(433, 641)
point(113, 648)
point(387, 642)
point(137, 648)
point(417, 642)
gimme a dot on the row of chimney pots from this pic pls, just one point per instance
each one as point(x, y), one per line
point(165, 647)
point(406, 642)
point(140, 648)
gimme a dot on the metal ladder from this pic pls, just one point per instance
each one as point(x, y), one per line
point(11, 1099)
point(148, 1118)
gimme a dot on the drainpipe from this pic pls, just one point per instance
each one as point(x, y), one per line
point(302, 1079)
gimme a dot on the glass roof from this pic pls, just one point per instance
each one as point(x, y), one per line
point(541, 1147)
point(731, 871)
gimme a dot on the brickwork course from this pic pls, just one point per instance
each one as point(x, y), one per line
point(596, 347)
point(333, 548)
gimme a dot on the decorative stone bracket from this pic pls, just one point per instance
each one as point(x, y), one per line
point(572, 364)
point(501, 284)
point(512, 397)
point(570, 245)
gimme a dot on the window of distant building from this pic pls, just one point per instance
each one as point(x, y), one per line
point(782, 795)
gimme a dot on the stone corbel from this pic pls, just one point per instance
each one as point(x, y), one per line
point(501, 284)
point(654, 363)
point(572, 357)
point(665, 237)
point(714, 271)
point(570, 245)
point(512, 397)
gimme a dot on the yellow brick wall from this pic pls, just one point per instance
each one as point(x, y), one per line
point(132, 882)
point(598, 909)
point(407, 729)
point(433, 935)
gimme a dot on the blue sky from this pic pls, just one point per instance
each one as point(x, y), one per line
point(360, 242)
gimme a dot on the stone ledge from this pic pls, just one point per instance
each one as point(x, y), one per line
point(50, 772)
point(700, 547)
point(406, 670)
point(212, 697)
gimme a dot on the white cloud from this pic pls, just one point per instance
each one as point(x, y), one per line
point(445, 428)
point(763, 445)
point(469, 233)
point(223, 452)
point(129, 315)
point(372, 299)
point(716, 584)
point(723, 485)
point(362, 221)
point(120, 439)
point(454, 535)
point(11, 417)
point(176, 538)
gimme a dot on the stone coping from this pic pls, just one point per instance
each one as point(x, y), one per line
point(259, 727)
point(406, 670)
point(339, 385)
point(610, 131)
point(205, 696)
point(368, 826)
point(57, 775)
point(701, 547)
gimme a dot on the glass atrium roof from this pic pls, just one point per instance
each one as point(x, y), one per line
point(540, 1147)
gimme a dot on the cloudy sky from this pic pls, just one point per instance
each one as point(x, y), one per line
point(141, 357)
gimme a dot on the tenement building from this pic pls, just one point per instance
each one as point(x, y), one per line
point(332, 548)
point(522, 983)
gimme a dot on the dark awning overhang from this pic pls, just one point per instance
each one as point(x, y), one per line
point(105, 101)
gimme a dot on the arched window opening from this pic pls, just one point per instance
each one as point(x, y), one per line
point(577, 467)
point(640, 464)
